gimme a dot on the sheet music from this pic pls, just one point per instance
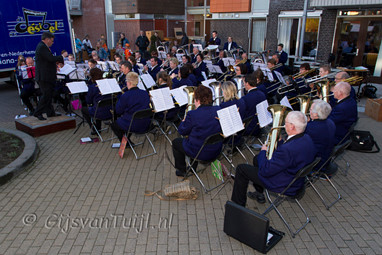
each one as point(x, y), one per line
point(108, 86)
point(228, 61)
point(230, 120)
point(77, 87)
point(204, 75)
point(263, 115)
point(161, 54)
point(285, 102)
point(24, 73)
point(140, 85)
point(199, 46)
point(71, 63)
point(280, 77)
point(148, 80)
point(66, 69)
point(162, 99)
point(79, 74)
point(215, 69)
point(103, 66)
point(82, 66)
point(208, 62)
point(113, 65)
point(179, 57)
point(180, 95)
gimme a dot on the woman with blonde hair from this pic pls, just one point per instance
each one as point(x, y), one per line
point(230, 97)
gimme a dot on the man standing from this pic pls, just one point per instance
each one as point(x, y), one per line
point(142, 42)
point(282, 53)
point(46, 75)
point(215, 40)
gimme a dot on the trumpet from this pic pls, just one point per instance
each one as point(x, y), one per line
point(165, 63)
point(230, 68)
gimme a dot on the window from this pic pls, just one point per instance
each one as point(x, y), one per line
point(258, 34)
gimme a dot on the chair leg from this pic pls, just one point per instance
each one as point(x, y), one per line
point(327, 204)
point(274, 205)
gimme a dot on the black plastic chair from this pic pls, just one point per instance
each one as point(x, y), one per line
point(280, 197)
point(106, 102)
point(211, 140)
point(140, 115)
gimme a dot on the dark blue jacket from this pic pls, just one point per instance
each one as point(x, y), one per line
point(286, 161)
point(198, 125)
point(253, 98)
point(92, 98)
point(233, 46)
point(176, 84)
point(222, 66)
point(193, 79)
point(263, 88)
point(131, 101)
point(239, 103)
point(217, 41)
point(198, 71)
point(322, 133)
point(136, 69)
point(283, 57)
point(153, 72)
point(175, 71)
point(344, 114)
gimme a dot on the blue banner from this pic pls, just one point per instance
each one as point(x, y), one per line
point(22, 24)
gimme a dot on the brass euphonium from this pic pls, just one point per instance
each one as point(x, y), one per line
point(304, 101)
point(279, 113)
point(190, 96)
point(324, 90)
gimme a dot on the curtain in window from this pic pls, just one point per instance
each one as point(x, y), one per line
point(258, 35)
point(285, 27)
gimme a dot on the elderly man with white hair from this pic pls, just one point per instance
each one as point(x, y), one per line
point(276, 173)
point(344, 112)
point(321, 130)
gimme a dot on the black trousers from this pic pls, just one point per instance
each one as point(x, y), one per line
point(244, 174)
point(45, 103)
point(25, 97)
point(87, 117)
point(180, 155)
point(118, 131)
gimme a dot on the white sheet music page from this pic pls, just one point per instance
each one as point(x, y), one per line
point(180, 95)
point(230, 120)
point(66, 69)
point(148, 80)
point(228, 61)
point(204, 75)
point(263, 115)
point(199, 46)
point(162, 99)
point(103, 65)
point(71, 63)
point(24, 72)
point(114, 66)
point(77, 87)
point(285, 102)
point(217, 69)
point(108, 86)
point(280, 77)
point(140, 84)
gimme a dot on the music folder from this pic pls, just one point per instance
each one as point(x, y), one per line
point(162, 99)
point(77, 87)
point(108, 86)
point(250, 228)
point(230, 120)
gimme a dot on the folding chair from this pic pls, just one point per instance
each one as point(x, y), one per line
point(211, 140)
point(140, 115)
point(106, 102)
point(280, 197)
point(165, 125)
point(247, 138)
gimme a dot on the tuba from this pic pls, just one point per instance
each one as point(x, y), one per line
point(304, 101)
point(190, 96)
point(324, 89)
point(215, 86)
point(279, 113)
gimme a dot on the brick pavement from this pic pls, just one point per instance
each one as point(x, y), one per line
point(86, 201)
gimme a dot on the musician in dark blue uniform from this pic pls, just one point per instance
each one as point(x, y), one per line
point(191, 75)
point(173, 66)
point(253, 97)
point(230, 45)
point(131, 101)
point(125, 69)
point(133, 62)
point(230, 98)
point(155, 68)
point(344, 112)
point(321, 130)
point(92, 98)
point(184, 80)
point(199, 67)
point(220, 62)
point(276, 173)
point(197, 126)
point(283, 55)
point(262, 82)
point(214, 40)
point(27, 83)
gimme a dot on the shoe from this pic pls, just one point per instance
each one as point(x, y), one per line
point(40, 117)
point(54, 115)
point(258, 196)
point(31, 112)
point(180, 173)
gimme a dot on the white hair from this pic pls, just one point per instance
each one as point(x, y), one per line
point(322, 108)
point(298, 119)
point(344, 88)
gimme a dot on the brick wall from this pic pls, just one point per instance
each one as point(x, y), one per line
point(238, 29)
point(326, 35)
point(92, 22)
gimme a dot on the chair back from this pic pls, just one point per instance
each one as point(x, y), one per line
point(106, 102)
point(340, 149)
point(302, 173)
point(143, 114)
point(211, 140)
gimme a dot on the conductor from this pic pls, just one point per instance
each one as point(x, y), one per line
point(46, 75)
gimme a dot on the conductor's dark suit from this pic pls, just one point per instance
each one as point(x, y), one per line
point(45, 77)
